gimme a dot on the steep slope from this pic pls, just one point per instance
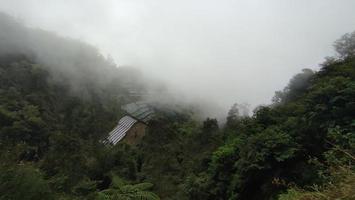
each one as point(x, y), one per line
point(58, 98)
point(297, 141)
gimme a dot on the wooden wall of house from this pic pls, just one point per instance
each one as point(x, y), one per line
point(135, 134)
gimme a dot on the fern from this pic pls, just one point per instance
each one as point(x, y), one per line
point(128, 192)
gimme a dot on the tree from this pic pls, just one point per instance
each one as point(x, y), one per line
point(345, 46)
point(296, 87)
point(236, 113)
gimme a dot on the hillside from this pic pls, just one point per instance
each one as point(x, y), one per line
point(59, 98)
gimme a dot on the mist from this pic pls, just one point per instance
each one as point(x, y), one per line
point(217, 52)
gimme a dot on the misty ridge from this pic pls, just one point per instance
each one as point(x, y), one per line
point(80, 65)
point(77, 62)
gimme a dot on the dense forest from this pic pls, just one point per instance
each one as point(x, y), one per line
point(59, 98)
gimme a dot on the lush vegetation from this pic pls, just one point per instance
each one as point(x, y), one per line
point(302, 146)
point(51, 138)
point(297, 142)
point(54, 114)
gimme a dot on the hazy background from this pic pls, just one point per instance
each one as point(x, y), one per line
point(222, 51)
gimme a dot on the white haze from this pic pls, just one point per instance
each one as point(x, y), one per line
point(221, 51)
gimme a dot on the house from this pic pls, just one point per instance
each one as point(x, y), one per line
point(131, 127)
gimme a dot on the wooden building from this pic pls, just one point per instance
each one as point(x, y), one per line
point(132, 127)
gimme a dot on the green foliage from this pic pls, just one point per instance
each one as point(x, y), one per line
point(292, 143)
point(296, 87)
point(174, 148)
point(119, 190)
point(51, 133)
point(46, 125)
point(23, 182)
point(341, 187)
point(291, 194)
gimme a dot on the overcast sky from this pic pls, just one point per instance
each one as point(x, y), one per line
point(223, 50)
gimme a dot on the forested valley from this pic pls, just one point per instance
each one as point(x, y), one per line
point(59, 98)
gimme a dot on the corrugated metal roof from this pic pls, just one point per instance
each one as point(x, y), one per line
point(139, 110)
point(121, 129)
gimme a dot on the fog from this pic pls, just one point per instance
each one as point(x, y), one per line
point(221, 52)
